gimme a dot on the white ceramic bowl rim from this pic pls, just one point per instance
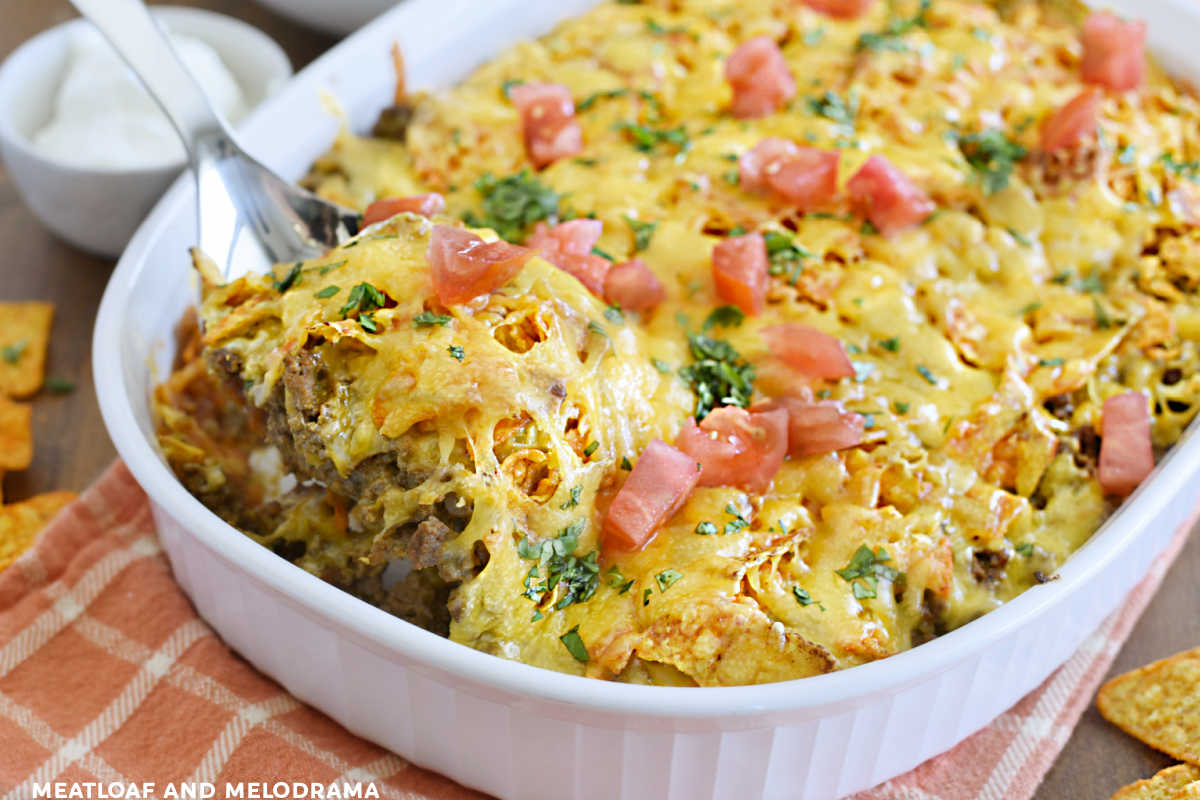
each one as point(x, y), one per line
point(379, 629)
point(268, 49)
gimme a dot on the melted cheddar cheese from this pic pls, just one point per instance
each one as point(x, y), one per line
point(984, 341)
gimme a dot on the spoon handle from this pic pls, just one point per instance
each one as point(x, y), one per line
point(137, 38)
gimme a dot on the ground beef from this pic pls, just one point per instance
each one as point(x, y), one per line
point(393, 122)
point(1087, 452)
point(987, 566)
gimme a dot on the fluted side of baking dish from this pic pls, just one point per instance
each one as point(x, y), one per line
point(514, 730)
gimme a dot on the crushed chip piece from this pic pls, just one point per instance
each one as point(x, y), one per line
point(16, 434)
point(20, 522)
point(1165, 785)
point(24, 334)
point(1159, 704)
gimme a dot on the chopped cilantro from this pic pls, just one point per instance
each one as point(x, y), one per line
point(646, 139)
point(901, 407)
point(736, 524)
point(591, 448)
point(513, 203)
point(457, 352)
point(573, 500)
point(12, 353)
point(427, 319)
point(1092, 283)
point(927, 374)
point(328, 292)
point(56, 385)
point(363, 298)
point(368, 323)
point(1103, 320)
point(1127, 154)
point(1051, 362)
point(1029, 308)
point(804, 598)
point(594, 97)
point(1185, 169)
point(325, 269)
point(667, 578)
point(646, 596)
point(506, 86)
point(892, 345)
point(574, 644)
point(643, 232)
point(597, 328)
point(596, 251)
point(889, 37)
point(1020, 237)
point(626, 464)
point(834, 108)
point(706, 529)
point(289, 280)
point(865, 569)
point(814, 36)
point(992, 155)
point(718, 376)
point(868, 421)
point(661, 366)
point(558, 566)
point(653, 26)
point(1025, 549)
point(786, 257)
point(727, 316)
point(613, 314)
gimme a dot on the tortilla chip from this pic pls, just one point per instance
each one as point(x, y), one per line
point(24, 334)
point(16, 434)
point(1189, 792)
point(1163, 786)
point(1159, 704)
point(20, 522)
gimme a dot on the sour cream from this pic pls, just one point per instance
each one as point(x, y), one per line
point(104, 119)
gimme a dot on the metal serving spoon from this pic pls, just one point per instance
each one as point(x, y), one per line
point(248, 218)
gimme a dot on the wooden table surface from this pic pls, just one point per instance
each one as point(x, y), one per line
point(72, 446)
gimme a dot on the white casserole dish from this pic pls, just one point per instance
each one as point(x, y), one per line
point(515, 730)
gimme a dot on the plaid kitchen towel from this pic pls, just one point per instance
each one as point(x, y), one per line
point(107, 676)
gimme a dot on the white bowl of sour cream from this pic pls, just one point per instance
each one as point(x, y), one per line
point(89, 151)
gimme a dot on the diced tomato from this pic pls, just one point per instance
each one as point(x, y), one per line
point(812, 353)
point(464, 266)
point(424, 204)
point(841, 9)
point(547, 121)
point(739, 265)
point(659, 485)
point(805, 177)
point(807, 180)
point(886, 196)
point(633, 286)
point(1126, 454)
point(760, 78)
point(568, 246)
point(736, 447)
point(1114, 51)
point(817, 427)
point(1072, 123)
point(754, 163)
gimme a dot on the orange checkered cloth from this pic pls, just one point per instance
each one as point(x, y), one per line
point(108, 676)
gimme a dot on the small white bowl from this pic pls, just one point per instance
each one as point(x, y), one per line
point(342, 17)
point(99, 209)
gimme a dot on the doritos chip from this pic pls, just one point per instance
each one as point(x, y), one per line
point(16, 434)
point(1159, 704)
point(24, 334)
point(1165, 785)
point(20, 522)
